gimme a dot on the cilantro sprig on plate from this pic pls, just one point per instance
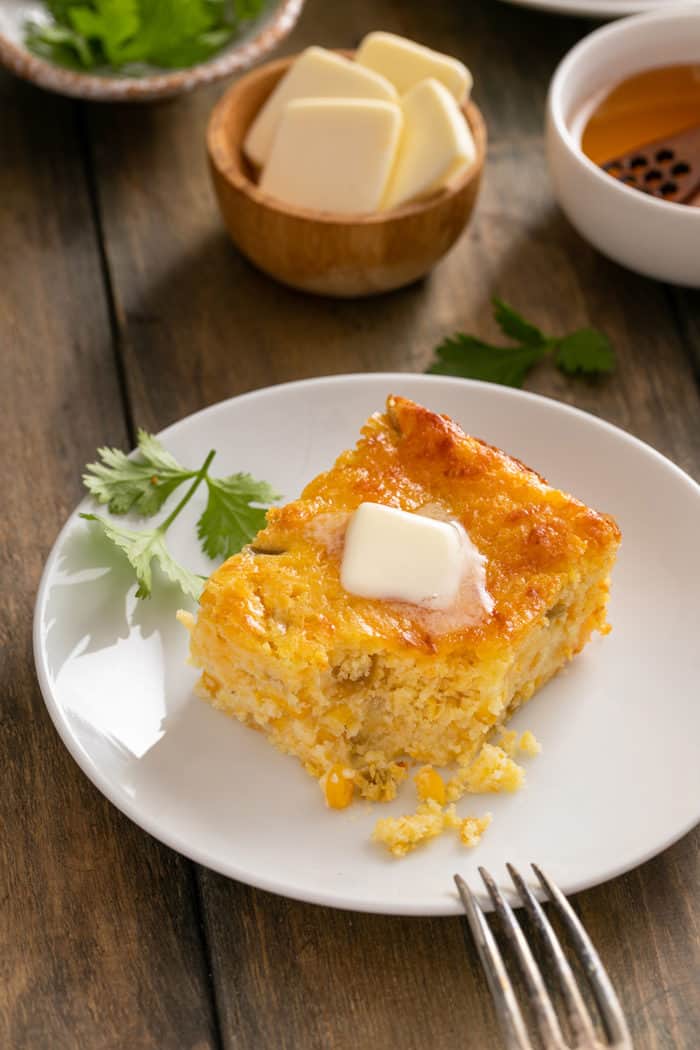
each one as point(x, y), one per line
point(234, 512)
point(585, 351)
point(167, 33)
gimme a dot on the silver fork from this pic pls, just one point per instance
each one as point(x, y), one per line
point(505, 1001)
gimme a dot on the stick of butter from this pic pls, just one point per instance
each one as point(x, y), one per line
point(333, 154)
point(317, 73)
point(436, 144)
point(405, 63)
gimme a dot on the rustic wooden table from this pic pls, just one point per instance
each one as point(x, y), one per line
point(123, 303)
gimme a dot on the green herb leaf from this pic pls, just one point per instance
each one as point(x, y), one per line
point(230, 519)
point(585, 351)
point(515, 326)
point(142, 547)
point(166, 33)
point(61, 44)
point(110, 22)
point(170, 33)
point(246, 9)
point(140, 484)
point(468, 357)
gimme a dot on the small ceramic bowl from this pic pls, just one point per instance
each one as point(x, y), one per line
point(256, 40)
point(321, 252)
point(654, 237)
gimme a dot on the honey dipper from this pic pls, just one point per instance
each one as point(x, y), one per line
point(668, 168)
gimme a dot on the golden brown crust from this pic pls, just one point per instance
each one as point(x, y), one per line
point(536, 540)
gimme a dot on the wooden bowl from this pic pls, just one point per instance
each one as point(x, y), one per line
point(322, 252)
point(256, 40)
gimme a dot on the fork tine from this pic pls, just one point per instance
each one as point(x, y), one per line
point(576, 1009)
point(546, 1018)
point(608, 1003)
point(504, 1001)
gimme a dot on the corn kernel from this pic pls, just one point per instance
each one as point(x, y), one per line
point(430, 785)
point(339, 787)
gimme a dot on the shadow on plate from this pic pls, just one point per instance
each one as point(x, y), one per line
point(97, 584)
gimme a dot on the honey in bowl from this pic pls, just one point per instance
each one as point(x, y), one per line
point(658, 107)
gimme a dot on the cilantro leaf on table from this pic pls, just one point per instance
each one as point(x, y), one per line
point(469, 357)
point(586, 351)
point(142, 547)
point(230, 518)
point(141, 484)
point(514, 324)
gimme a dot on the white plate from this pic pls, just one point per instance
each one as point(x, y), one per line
point(618, 779)
point(600, 8)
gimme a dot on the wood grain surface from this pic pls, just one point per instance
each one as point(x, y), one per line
point(100, 937)
point(122, 301)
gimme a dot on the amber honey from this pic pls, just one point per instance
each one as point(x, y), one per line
point(654, 105)
point(642, 108)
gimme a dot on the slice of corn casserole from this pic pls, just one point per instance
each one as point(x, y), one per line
point(358, 688)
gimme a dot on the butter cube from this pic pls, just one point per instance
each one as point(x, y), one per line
point(317, 73)
point(395, 555)
point(436, 144)
point(333, 154)
point(405, 63)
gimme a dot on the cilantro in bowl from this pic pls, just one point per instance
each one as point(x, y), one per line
point(84, 34)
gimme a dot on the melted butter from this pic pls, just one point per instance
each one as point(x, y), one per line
point(328, 530)
point(473, 602)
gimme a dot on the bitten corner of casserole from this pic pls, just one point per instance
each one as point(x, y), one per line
point(358, 689)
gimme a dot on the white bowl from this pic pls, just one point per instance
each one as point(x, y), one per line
point(654, 237)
